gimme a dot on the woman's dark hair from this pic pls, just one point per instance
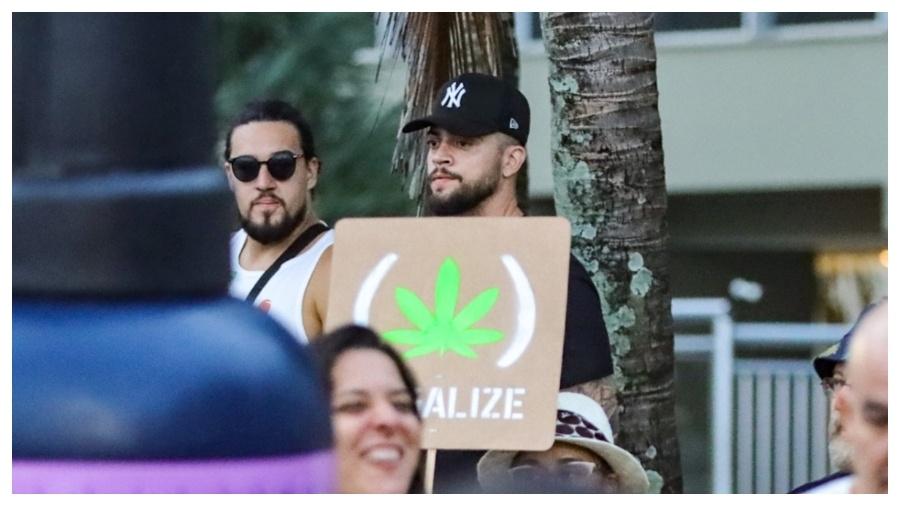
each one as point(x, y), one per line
point(329, 347)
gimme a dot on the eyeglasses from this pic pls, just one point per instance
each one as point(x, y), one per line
point(832, 384)
point(573, 471)
point(281, 166)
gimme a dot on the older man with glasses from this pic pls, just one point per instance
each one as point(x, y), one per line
point(863, 403)
point(281, 257)
point(830, 366)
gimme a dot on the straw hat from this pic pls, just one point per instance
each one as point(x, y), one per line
point(579, 421)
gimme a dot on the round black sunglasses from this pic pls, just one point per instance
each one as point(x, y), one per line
point(281, 166)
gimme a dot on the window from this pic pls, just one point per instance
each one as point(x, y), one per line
point(678, 28)
point(798, 18)
point(678, 21)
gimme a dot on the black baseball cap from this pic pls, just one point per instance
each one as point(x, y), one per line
point(472, 105)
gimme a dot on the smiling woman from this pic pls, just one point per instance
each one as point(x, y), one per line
point(377, 428)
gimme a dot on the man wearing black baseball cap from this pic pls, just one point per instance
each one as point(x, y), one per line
point(477, 131)
point(478, 128)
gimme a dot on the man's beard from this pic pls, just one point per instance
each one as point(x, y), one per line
point(838, 448)
point(465, 198)
point(268, 232)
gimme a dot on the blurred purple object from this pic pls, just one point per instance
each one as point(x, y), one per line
point(310, 473)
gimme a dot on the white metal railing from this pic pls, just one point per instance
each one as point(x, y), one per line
point(780, 425)
point(773, 436)
point(719, 344)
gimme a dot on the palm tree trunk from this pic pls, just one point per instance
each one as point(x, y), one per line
point(610, 183)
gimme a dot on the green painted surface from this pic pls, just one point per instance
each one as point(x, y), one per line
point(444, 330)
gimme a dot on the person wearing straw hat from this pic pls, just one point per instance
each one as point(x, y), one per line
point(583, 458)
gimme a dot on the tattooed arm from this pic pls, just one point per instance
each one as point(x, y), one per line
point(604, 392)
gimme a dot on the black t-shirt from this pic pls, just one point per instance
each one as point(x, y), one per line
point(586, 357)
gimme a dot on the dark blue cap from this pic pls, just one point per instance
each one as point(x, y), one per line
point(837, 353)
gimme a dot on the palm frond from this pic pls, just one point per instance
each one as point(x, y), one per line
point(437, 46)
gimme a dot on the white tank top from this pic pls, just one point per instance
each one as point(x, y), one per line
point(282, 297)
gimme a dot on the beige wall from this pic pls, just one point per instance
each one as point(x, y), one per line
point(757, 115)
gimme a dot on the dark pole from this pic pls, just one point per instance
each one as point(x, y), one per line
point(103, 92)
point(114, 191)
point(133, 370)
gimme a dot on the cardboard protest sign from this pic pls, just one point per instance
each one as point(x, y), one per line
point(477, 308)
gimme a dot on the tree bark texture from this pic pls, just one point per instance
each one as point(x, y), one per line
point(609, 182)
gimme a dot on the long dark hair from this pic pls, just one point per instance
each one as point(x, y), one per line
point(273, 110)
point(329, 347)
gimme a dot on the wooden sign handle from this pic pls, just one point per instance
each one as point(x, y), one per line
point(430, 456)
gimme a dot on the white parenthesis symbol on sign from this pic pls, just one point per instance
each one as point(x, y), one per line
point(526, 315)
point(367, 290)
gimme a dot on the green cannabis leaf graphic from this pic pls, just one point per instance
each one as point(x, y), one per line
point(442, 331)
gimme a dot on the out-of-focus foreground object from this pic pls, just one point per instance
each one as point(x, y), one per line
point(133, 371)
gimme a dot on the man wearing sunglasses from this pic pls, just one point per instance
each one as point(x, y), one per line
point(281, 257)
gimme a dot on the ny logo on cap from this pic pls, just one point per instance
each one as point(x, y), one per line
point(454, 94)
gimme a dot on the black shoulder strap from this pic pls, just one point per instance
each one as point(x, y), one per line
point(296, 247)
